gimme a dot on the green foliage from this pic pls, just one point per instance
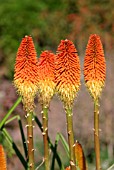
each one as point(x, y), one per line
point(8, 148)
point(65, 144)
point(50, 21)
point(20, 18)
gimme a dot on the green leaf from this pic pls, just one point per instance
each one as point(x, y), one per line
point(23, 138)
point(55, 152)
point(65, 144)
point(21, 131)
point(18, 153)
point(9, 112)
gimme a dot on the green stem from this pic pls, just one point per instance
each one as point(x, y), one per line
point(30, 140)
point(10, 111)
point(60, 164)
point(69, 117)
point(96, 134)
point(45, 136)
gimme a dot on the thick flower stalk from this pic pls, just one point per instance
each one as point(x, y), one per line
point(46, 85)
point(2, 159)
point(26, 82)
point(67, 78)
point(94, 74)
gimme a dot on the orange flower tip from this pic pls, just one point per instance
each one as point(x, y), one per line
point(67, 72)
point(2, 159)
point(26, 71)
point(94, 66)
point(46, 82)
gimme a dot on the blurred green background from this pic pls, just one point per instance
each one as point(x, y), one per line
point(49, 21)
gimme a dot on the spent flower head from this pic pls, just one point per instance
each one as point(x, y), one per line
point(80, 158)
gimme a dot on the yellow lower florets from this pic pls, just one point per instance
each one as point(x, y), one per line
point(28, 91)
point(67, 94)
point(46, 91)
point(95, 88)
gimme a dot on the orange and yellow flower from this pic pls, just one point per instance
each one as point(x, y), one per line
point(26, 72)
point(2, 159)
point(94, 66)
point(46, 82)
point(67, 72)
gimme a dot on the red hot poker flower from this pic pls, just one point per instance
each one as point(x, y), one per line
point(2, 159)
point(26, 76)
point(67, 168)
point(67, 72)
point(94, 66)
point(46, 83)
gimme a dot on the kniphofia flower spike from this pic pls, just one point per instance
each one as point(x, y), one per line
point(2, 159)
point(67, 72)
point(46, 68)
point(26, 75)
point(94, 66)
point(67, 78)
point(26, 82)
point(94, 74)
point(46, 85)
